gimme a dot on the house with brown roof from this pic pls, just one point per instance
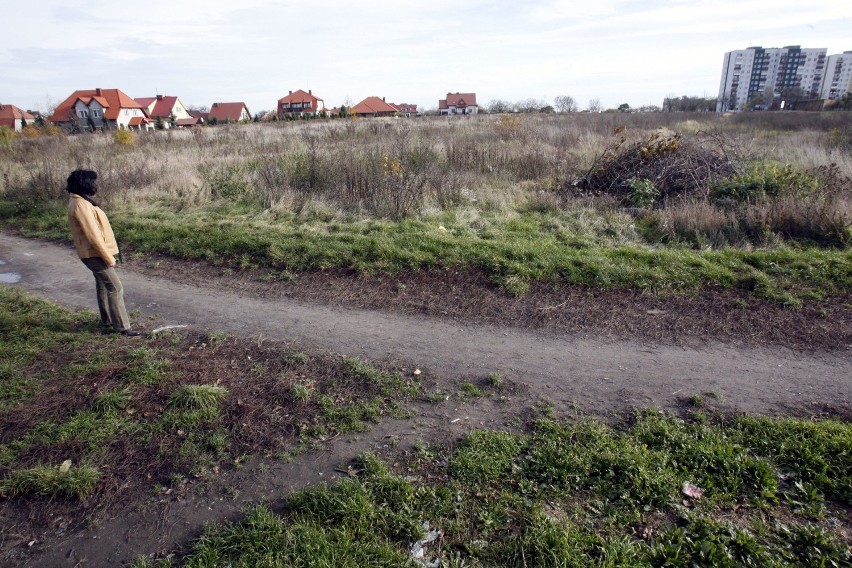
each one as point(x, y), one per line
point(300, 103)
point(372, 107)
point(14, 118)
point(169, 110)
point(99, 109)
point(228, 112)
point(458, 103)
point(405, 109)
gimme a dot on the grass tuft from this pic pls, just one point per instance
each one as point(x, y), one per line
point(55, 482)
point(198, 397)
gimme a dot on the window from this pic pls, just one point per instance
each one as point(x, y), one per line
point(96, 113)
point(84, 114)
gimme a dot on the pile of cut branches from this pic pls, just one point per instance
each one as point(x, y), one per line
point(669, 164)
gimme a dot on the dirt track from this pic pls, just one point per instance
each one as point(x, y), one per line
point(598, 375)
point(582, 373)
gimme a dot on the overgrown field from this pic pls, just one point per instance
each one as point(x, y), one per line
point(652, 202)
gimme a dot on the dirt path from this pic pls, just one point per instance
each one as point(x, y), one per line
point(596, 376)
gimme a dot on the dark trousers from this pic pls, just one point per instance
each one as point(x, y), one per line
point(110, 294)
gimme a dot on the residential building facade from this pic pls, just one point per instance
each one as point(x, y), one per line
point(99, 109)
point(458, 103)
point(300, 103)
point(373, 107)
point(759, 78)
point(838, 76)
point(14, 118)
point(168, 110)
point(229, 112)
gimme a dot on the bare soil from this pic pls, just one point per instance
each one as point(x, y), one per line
point(587, 352)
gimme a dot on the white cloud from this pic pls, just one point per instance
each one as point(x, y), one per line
point(617, 50)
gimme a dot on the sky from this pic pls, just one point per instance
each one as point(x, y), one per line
point(256, 51)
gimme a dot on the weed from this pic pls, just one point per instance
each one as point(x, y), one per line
point(302, 392)
point(217, 336)
point(297, 359)
point(470, 389)
point(495, 379)
point(147, 372)
point(112, 402)
point(65, 481)
point(198, 397)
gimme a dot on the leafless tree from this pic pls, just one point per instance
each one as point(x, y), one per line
point(595, 105)
point(565, 103)
point(498, 106)
point(530, 105)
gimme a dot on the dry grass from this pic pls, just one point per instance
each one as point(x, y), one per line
point(419, 168)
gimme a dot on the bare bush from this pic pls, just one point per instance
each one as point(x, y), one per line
point(673, 164)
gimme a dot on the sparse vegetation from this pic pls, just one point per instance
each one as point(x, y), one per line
point(670, 201)
point(145, 424)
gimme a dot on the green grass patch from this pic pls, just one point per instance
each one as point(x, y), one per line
point(54, 482)
point(566, 494)
point(513, 250)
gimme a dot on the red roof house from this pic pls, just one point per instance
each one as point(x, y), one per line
point(96, 109)
point(167, 109)
point(458, 103)
point(229, 112)
point(406, 109)
point(15, 118)
point(373, 106)
point(300, 103)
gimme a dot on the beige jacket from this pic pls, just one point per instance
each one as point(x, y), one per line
point(93, 236)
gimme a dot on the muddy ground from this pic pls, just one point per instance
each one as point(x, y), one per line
point(589, 352)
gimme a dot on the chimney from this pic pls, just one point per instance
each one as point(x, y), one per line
point(291, 92)
point(159, 97)
point(310, 92)
point(383, 99)
point(98, 92)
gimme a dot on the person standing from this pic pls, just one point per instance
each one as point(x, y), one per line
point(96, 245)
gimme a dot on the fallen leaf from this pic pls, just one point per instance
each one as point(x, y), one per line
point(691, 490)
point(65, 467)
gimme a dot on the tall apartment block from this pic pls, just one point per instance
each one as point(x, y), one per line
point(838, 76)
point(770, 72)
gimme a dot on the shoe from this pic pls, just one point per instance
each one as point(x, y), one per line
point(130, 333)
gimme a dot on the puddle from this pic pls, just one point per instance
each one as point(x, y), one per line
point(9, 277)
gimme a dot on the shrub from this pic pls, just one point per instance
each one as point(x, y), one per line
point(765, 179)
point(643, 193)
point(6, 136)
point(124, 137)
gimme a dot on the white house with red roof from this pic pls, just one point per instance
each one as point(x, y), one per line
point(14, 118)
point(168, 109)
point(300, 103)
point(229, 112)
point(458, 103)
point(99, 109)
point(372, 107)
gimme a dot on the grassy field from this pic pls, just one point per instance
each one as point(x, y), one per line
point(656, 202)
point(90, 419)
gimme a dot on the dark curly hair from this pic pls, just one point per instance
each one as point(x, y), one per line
point(83, 182)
